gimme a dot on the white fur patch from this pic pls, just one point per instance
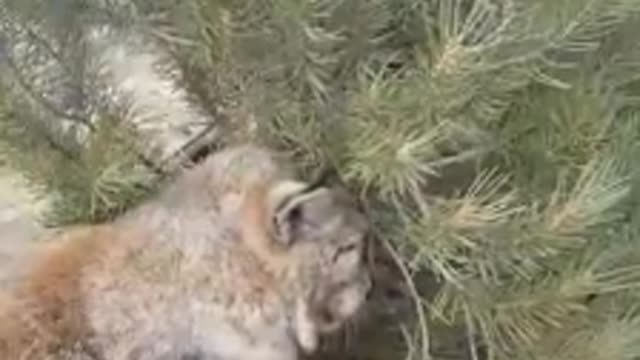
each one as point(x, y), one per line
point(305, 329)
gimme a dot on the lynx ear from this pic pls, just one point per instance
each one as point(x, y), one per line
point(301, 212)
point(282, 192)
point(278, 202)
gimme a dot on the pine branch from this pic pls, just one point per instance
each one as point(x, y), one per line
point(33, 93)
point(97, 180)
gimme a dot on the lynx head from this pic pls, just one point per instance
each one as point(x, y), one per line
point(314, 236)
point(322, 230)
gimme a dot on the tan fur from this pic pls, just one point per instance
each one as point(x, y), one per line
point(257, 229)
point(197, 271)
point(45, 311)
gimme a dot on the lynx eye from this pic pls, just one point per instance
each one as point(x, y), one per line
point(344, 249)
point(350, 247)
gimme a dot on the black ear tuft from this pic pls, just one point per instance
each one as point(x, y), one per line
point(322, 178)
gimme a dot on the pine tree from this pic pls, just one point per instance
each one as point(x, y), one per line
point(491, 142)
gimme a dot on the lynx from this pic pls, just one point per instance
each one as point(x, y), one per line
point(236, 259)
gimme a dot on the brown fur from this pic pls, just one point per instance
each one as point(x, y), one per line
point(257, 230)
point(45, 311)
